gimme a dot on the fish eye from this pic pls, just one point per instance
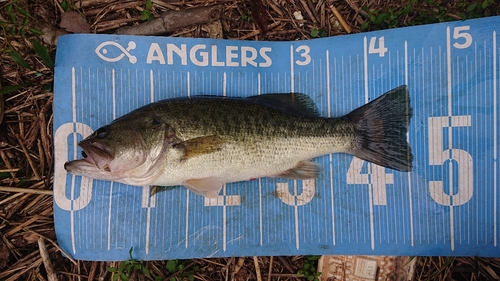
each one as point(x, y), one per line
point(84, 155)
point(102, 132)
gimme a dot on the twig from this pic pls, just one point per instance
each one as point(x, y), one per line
point(239, 265)
point(7, 163)
point(58, 5)
point(346, 27)
point(286, 264)
point(21, 226)
point(1, 106)
point(212, 262)
point(257, 268)
point(51, 275)
point(9, 170)
point(55, 245)
point(45, 139)
point(308, 11)
point(172, 20)
point(113, 24)
point(25, 190)
point(28, 157)
point(270, 268)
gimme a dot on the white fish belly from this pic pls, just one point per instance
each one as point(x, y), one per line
point(236, 162)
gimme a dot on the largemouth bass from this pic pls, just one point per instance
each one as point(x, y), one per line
point(203, 142)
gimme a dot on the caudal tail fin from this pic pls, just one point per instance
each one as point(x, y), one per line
point(382, 126)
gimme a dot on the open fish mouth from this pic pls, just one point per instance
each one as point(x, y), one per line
point(94, 155)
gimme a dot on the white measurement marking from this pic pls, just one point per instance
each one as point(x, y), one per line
point(296, 213)
point(328, 95)
point(224, 211)
point(292, 75)
point(260, 180)
point(450, 113)
point(188, 78)
point(72, 212)
point(495, 136)
point(113, 94)
point(369, 165)
point(408, 138)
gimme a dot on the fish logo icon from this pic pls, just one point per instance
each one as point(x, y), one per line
point(104, 52)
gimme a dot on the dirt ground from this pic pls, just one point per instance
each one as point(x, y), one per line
point(28, 246)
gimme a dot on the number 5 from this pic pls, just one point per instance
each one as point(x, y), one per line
point(457, 33)
point(438, 156)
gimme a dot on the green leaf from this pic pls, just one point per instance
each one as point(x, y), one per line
point(172, 279)
point(23, 11)
point(36, 31)
point(8, 9)
point(314, 32)
point(17, 58)
point(122, 266)
point(13, 30)
point(191, 277)
point(124, 277)
point(144, 15)
point(171, 265)
point(364, 26)
point(144, 270)
point(471, 7)
point(11, 88)
point(47, 87)
point(115, 277)
point(408, 9)
point(111, 269)
point(65, 5)
point(12, 18)
point(485, 4)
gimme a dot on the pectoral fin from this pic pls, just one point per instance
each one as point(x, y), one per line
point(206, 187)
point(200, 146)
point(303, 170)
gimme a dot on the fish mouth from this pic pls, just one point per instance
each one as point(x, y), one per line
point(96, 154)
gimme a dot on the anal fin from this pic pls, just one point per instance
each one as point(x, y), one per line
point(303, 170)
point(206, 187)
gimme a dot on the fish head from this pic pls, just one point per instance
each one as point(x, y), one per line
point(128, 150)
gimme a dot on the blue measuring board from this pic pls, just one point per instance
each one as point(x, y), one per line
point(448, 204)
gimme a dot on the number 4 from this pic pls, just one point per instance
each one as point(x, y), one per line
point(381, 50)
point(376, 176)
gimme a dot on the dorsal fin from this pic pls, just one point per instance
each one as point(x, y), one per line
point(293, 103)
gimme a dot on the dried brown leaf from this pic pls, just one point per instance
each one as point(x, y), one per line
point(30, 238)
point(259, 14)
point(72, 21)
